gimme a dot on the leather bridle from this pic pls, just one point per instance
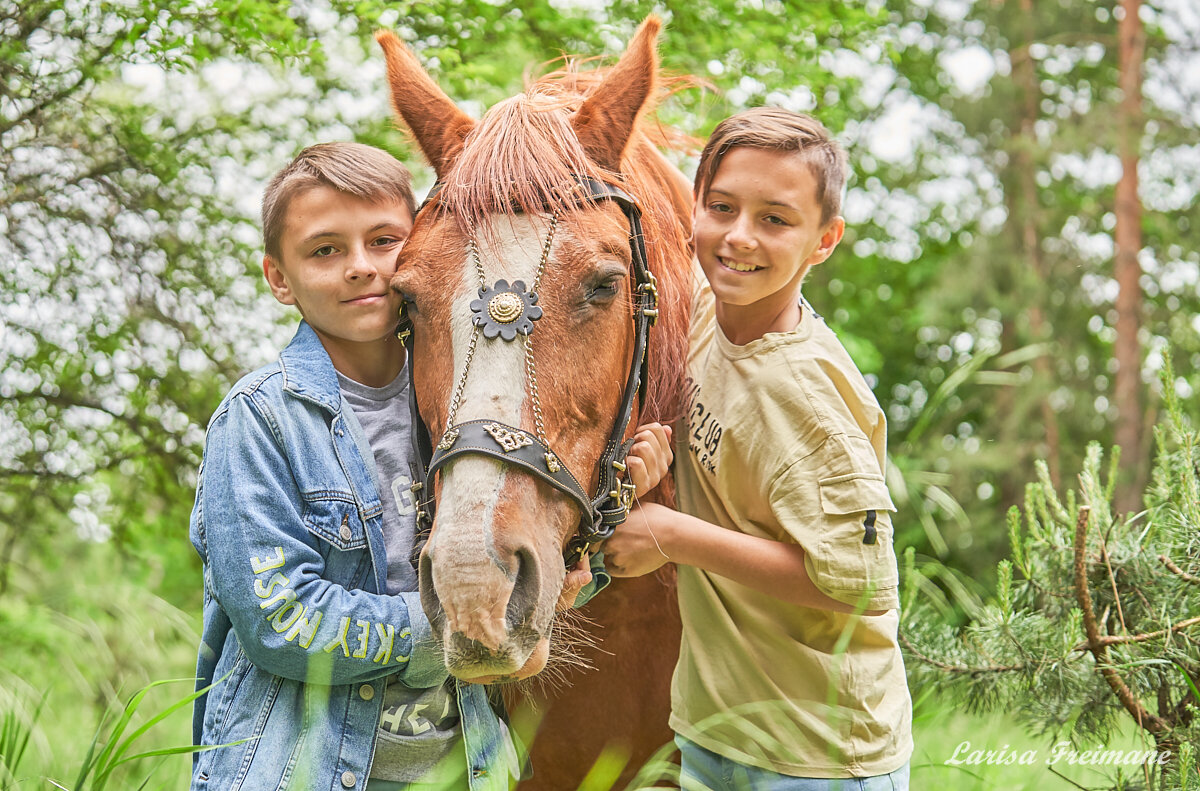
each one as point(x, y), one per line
point(501, 313)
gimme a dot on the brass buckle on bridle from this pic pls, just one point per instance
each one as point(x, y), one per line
point(625, 493)
point(650, 288)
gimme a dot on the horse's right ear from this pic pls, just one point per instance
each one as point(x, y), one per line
point(605, 120)
point(436, 122)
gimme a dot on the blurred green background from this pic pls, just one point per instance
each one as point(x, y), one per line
point(1004, 305)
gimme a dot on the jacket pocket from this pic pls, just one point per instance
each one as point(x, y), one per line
point(335, 522)
point(854, 493)
point(855, 553)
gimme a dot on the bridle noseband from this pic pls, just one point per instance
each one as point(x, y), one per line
point(504, 311)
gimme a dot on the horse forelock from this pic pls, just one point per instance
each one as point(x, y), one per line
point(522, 157)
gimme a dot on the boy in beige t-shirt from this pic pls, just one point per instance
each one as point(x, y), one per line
point(789, 675)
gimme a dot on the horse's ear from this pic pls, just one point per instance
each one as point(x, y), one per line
point(436, 122)
point(604, 123)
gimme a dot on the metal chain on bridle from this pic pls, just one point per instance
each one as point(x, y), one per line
point(504, 311)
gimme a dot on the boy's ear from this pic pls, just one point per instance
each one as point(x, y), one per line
point(277, 281)
point(830, 238)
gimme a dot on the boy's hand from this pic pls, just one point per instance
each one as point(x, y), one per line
point(639, 545)
point(577, 576)
point(650, 456)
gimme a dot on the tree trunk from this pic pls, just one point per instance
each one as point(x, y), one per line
point(1127, 387)
point(1024, 213)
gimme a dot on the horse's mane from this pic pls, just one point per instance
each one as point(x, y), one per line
point(523, 156)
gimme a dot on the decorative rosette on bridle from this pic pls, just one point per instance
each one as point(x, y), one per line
point(505, 310)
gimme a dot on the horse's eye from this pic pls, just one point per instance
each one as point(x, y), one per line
point(605, 290)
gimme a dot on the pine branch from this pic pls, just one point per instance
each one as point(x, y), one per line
point(1139, 638)
point(1069, 780)
point(1166, 561)
point(958, 668)
point(1145, 719)
point(1112, 580)
point(1184, 711)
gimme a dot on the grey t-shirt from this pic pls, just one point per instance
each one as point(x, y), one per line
point(418, 727)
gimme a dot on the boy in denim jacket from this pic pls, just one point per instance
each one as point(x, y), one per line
point(328, 676)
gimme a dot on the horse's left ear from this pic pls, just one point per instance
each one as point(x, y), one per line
point(605, 122)
point(436, 122)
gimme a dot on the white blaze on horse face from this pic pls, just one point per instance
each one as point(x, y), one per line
point(495, 389)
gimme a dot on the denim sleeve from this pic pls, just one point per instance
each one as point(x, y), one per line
point(282, 588)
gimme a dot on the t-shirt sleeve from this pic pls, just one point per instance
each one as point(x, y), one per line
point(836, 505)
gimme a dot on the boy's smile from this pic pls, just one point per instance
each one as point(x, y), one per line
point(338, 253)
point(758, 231)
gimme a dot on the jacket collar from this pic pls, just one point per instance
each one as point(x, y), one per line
point(308, 372)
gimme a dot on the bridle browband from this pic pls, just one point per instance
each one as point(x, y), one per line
point(504, 311)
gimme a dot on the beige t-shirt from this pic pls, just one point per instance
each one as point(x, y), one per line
point(785, 441)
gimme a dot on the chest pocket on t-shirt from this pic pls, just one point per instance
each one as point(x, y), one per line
point(341, 530)
point(855, 551)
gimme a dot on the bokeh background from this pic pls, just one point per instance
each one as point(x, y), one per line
point(1020, 263)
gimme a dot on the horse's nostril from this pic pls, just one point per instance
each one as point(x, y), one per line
point(524, 598)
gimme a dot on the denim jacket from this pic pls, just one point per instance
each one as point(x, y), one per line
point(299, 634)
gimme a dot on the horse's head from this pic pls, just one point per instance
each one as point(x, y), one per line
point(510, 208)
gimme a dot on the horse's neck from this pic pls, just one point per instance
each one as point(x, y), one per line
point(674, 184)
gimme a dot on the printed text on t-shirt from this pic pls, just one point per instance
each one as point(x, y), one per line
point(704, 432)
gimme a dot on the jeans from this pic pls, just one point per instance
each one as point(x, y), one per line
point(703, 770)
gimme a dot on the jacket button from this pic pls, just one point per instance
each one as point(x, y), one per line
point(345, 532)
point(366, 692)
point(348, 779)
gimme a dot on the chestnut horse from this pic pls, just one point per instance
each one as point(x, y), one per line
point(508, 209)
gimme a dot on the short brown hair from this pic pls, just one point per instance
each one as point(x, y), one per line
point(776, 129)
point(360, 170)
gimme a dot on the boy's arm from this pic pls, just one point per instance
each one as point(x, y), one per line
point(655, 534)
point(265, 563)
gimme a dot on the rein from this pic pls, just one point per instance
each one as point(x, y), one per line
point(503, 311)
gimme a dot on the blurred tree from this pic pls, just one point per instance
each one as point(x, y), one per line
point(1127, 236)
point(994, 233)
point(127, 295)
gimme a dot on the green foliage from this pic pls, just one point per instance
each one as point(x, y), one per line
point(110, 745)
point(107, 759)
point(135, 138)
point(15, 730)
point(991, 231)
point(1093, 623)
point(79, 632)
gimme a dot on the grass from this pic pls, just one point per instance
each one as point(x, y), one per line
point(83, 652)
point(940, 729)
point(136, 749)
point(78, 682)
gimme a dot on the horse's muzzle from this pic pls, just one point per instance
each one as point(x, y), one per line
point(485, 611)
